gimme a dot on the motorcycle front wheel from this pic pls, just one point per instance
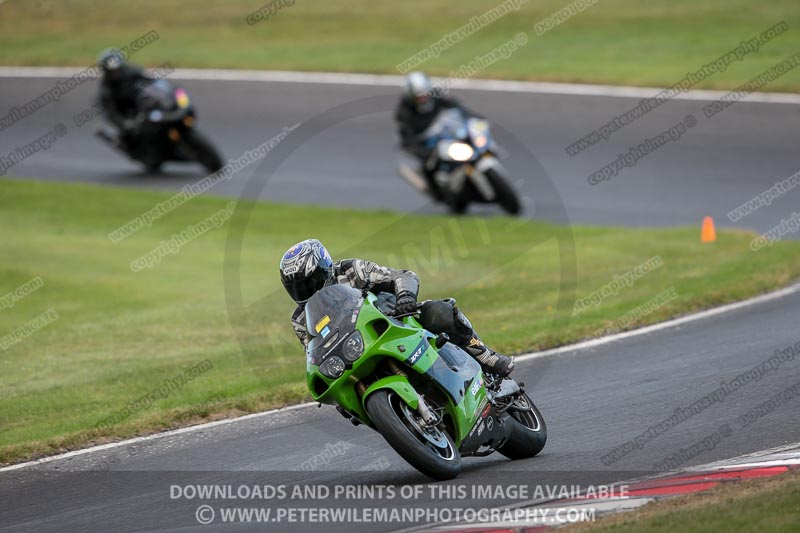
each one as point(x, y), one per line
point(202, 150)
point(503, 193)
point(428, 449)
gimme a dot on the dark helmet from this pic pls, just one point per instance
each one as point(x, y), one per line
point(110, 60)
point(420, 91)
point(306, 268)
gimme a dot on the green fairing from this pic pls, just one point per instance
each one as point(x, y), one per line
point(399, 341)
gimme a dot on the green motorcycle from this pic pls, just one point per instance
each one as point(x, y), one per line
point(429, 399)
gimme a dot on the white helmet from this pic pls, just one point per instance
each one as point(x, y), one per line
point(420, 90)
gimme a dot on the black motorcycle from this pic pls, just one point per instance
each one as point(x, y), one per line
point(164, 130)
point(463, 166)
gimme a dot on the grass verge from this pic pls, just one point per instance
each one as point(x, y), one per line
point(758, 505)
point(613, 41)
point(121, 336)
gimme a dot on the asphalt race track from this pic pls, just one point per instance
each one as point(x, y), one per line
point(595, 400)
point(713, 168)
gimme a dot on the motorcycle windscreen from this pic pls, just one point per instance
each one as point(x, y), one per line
point(157, 95)
point(449, 124)
point(331, 314)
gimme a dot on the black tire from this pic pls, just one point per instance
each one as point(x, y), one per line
point(528, 431)
point(458, 207)
point(152, 167)
point(457, 203)
point(201, 149)
point(386, 412)
point(503, 193)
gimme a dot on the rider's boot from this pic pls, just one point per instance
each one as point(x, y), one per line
point(110, 135)
point(492, 361)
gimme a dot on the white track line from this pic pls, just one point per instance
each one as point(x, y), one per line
point(617, 504)
point(520, 358)
point(385, 80)
point(786, 453)
point(188, 429)
point(662, 325)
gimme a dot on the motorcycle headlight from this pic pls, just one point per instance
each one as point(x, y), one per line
point(332, 367)
point(353, 347)
point(460, 152)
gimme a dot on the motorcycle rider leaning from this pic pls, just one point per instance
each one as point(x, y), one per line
point(418, 107)
point(119, 88)
point(307, 267)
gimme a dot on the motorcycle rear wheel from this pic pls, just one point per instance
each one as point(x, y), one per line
point(528, 430)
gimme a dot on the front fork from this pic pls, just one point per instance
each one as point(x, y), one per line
point(453, 181)
point(428, 416)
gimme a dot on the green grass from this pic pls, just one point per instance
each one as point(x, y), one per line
point(759, 506)
point(120, 333)
point(615, 41)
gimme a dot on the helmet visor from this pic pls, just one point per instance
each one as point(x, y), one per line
point(112, 62)
point(304, 288)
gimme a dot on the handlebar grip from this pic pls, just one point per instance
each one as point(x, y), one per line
point(395, 315)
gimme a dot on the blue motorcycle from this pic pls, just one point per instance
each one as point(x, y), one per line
point(463, 166)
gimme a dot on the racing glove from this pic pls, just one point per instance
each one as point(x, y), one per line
point(406, 303)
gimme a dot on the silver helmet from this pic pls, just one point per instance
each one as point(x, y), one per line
point(420, 90)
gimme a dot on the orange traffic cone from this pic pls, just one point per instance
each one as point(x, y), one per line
point(708, 233)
